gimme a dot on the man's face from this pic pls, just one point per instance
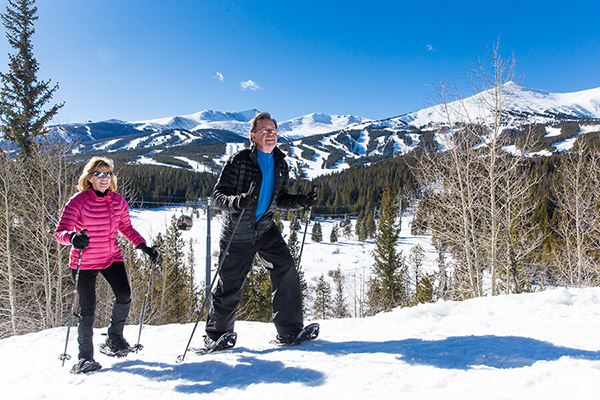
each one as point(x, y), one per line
point(265, 135)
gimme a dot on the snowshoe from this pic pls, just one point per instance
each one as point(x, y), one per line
point(115, 347)
point(309, 332)
point(226, 341)
point(84, 366)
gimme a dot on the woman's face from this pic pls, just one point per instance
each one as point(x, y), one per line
point(100, 180)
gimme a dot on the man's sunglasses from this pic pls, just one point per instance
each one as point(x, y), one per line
point(100, 174)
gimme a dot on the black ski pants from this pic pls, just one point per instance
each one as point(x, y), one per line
point(116, 276)
point(285, 284)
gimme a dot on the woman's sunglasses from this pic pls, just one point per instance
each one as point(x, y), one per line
point(100, 174)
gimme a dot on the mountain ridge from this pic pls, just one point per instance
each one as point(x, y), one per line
point(320, 143)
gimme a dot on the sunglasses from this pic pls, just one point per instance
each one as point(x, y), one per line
point(100, 174)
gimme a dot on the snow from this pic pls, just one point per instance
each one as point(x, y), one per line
point(239, 122)
point(551, 131)
point(530, 346)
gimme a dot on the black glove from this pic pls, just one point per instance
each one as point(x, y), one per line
point(150, 251)
point(80, 240)
point(244, 201)
point(308, 200)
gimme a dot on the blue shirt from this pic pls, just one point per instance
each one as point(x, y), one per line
point(267, 167)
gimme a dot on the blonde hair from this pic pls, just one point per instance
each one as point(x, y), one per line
point(95, 164)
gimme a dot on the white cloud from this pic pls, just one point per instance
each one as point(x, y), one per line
point(249, 84)
point(431, 48)
point(219, 76)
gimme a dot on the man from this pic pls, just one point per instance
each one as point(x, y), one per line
point(263, 164)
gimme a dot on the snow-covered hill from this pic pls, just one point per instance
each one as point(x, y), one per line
point(530, 346)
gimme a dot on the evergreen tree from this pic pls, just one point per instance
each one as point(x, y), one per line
point(322, 305)
point(333, 237)
point(348, 229)
point(424, 290)
point(256, 298)
point(317, 232)
point(178, 297)
point(387, 286)
point(339, 309)
point(370, 226)
point(294, 247)
point(23, 97)
point(360, 230)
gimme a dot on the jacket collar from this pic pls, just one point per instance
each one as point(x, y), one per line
point(92, 194)
point(278, 155)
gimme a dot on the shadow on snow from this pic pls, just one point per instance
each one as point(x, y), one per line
point(210, 375)
point(460, 352)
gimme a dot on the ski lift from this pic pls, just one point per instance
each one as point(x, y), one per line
point(185, 223)
point(345, 221)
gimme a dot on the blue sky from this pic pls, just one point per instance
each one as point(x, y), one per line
point(142, 59)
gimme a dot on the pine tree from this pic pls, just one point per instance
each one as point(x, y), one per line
point(387, 286)
point(360, 230)
point(294, 247)
point(333, 237)
point(424, 290)
point(339, 309)
point(370, 226)
point(23, 97)
point(256, 298)
point(317, 232)
point(348, 229)
point(177, 293)
point(322, 305)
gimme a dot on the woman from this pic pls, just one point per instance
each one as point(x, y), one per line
point(101, 211)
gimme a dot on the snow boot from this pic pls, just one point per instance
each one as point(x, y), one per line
point(85, 365)
point(85, 334)
point(309, 332)
point(226, 341)
point(116, 345)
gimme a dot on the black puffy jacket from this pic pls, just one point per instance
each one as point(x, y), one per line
point(242, 169)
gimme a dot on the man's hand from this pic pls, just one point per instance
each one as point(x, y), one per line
point(245, 201)
point(308, 200)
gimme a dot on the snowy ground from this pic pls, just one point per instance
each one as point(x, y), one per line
point(532, 346)
point(350, 255)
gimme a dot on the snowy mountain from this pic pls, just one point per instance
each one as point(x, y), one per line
point(318, 144)
point(203, 126)
point(528, 106)
point(523, 346)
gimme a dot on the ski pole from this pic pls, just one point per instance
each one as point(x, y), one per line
point(64, 356)
point(305, 229)
point(180, 358)
point(138, 346)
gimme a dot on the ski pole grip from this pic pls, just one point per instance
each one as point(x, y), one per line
point(251, 188)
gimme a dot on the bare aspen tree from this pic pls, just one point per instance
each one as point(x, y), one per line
point(8, 265)
point(476, 183)
point(578, 194)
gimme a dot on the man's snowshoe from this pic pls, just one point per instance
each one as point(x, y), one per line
point(84, 366)
point(115, 347)
point(309, 332)
point(226, 341)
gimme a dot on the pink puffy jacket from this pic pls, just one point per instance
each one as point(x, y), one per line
point(102, 217)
